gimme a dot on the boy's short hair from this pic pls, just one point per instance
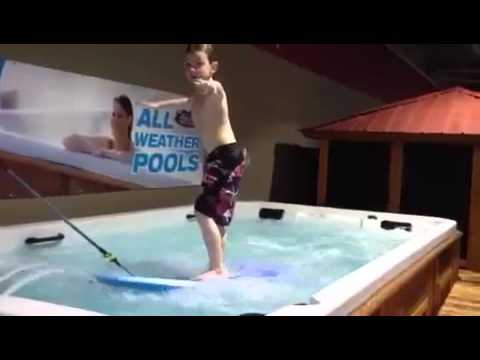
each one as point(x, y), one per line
point(206, 48)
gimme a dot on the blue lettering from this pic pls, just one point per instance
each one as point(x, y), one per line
point(166, 124)
point(188, 142)
point(181, 167)
point(161, 141)
point(170, 140)
point(139, 161)
point(194, 162)
point(145, 119)
point(196, 143)
point(179, 141)
point(171, 161)
point(156, 124)
point(155, 167)
point(153, 140)
point(141, 139)
point(161, 123)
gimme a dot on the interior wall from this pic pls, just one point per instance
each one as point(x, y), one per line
point(270, 99)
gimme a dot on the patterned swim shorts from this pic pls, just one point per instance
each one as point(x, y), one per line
point(223, 172)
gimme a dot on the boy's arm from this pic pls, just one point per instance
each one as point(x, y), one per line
point(183, 102)
point(207, 87)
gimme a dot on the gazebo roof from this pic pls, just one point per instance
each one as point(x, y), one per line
point(451, 113)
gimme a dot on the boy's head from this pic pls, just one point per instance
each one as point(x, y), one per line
point(200, 62)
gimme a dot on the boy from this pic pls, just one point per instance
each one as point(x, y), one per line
point(226, 160)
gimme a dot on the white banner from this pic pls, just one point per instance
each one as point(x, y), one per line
point(166, 144)
point(94, 125)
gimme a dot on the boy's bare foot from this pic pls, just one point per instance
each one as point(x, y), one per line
point(213, 274)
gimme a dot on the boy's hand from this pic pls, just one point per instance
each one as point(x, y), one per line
point(207, 86)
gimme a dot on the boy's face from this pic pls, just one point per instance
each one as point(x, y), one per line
point(198, 66)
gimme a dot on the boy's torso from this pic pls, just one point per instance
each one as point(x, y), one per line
point(211, 118)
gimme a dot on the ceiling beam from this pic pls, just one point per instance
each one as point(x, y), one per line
point(410, 63)
point(370, 68)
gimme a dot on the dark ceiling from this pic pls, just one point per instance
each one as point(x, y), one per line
point(445, 65)
point(389, 72)
point(373, 69)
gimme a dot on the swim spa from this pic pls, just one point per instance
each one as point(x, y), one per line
point(328, 261)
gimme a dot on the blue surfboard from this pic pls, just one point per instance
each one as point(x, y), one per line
point(162, 285)
point(144, 283)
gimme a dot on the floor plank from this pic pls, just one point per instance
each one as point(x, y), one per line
point(464, 299)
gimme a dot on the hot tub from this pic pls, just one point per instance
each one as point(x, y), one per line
point(330, 262)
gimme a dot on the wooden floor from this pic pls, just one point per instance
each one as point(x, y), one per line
point(464, 300)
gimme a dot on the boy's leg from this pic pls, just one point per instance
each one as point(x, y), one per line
point(223, 233)
point(218, 201)
point(213, 241)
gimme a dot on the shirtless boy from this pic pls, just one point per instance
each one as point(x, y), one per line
point(226, 160)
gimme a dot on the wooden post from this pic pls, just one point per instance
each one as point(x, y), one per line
point(395, 177)
point(473, 255)
point(322, 184)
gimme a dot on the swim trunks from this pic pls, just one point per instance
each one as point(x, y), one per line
point(223, 172)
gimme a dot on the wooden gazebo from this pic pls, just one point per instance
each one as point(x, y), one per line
point(444, 117)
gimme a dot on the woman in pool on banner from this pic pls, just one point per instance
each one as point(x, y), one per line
point(119, 146)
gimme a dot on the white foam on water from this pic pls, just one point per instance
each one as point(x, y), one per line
point(19, 270)
point(30, 279)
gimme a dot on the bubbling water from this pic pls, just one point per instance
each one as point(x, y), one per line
point(305, 256)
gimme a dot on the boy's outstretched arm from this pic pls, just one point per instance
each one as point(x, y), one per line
point(167, 103)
